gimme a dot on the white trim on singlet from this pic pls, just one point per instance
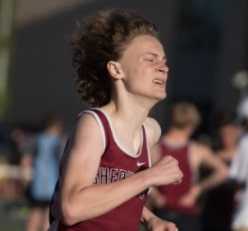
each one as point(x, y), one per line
point(149, 158)
point(138, 153)
point(99, 122)
point(148, 150)
point(148, 154)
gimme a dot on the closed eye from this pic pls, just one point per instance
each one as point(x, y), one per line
point(151, 60)
point(154, 58)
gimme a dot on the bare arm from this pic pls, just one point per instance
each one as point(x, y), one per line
point(155, 223)
point(200, 154)
point(208, 159)
point(147, 214)
point(80, 198)
point(226, 156)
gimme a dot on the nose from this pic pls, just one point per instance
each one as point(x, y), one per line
point(162, 67)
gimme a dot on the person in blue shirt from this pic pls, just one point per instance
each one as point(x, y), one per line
point(46, 155)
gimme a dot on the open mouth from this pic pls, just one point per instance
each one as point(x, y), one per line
point(159, 82)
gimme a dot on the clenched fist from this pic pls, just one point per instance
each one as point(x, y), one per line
point(165, 171)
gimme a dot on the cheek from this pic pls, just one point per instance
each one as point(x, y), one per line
point(143, 73)
point(142, 78)
point(134, 74)
point(138, 77)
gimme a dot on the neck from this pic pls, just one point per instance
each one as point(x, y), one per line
point(230, 147)
point(129, 111)
point(177, 136)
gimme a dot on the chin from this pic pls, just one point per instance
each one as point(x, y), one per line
point(156, 96)
point(157, 99)
point(161, 96)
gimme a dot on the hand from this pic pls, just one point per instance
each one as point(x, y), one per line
point(164, 172)
point(157, 224)
point(190, 198)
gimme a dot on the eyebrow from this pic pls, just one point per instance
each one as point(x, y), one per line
point(155, 55)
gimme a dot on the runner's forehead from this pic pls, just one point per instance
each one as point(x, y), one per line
point(145, 44)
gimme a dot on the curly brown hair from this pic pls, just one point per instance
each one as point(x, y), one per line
point(102, 38)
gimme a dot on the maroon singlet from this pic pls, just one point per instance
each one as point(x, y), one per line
point(116, 165)
point(173, 193)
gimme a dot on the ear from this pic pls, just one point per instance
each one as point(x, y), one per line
point(115, 70)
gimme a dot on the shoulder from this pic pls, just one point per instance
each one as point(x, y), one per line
point(199, 149)
point(206, 156)
point(85, 145)
point(153, 131)
point(88, 127)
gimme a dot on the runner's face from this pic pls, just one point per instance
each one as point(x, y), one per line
point(144, 66)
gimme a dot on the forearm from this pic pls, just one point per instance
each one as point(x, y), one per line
point(147, 215)
point(155, 223)
point(96, 200)
point(212, 180)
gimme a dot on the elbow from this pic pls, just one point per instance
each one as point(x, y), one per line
point(70, 215)
point(71, 211)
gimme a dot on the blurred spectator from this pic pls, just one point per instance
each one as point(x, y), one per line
point(229, 133)
point(3, 140)
point(17, 145)
point(239, 171)
point(178, 203)
point(44, 173)
point(11, 174)
point(219, 201)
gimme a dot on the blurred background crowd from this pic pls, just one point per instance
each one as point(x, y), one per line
point(206, 42)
